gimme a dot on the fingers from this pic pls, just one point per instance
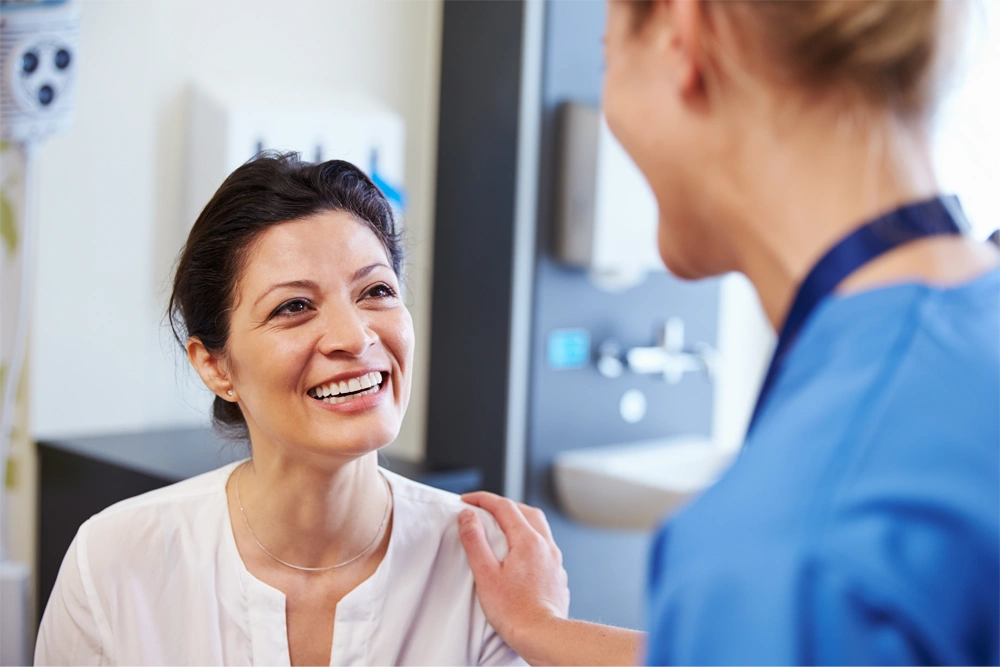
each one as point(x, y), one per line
point(482, 560)
point(505, 511)
point(536, 518)
point(477, 498)
point(515, 519)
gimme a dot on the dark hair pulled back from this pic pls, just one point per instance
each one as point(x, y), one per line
point(270, 189)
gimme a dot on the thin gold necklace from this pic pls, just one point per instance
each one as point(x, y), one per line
point(378, 533)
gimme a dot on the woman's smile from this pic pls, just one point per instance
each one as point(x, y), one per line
point(351, 392)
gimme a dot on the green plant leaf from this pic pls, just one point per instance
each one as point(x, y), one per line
point(8, 230)
point(4, 146)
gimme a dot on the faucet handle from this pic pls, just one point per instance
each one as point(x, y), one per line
point(647, 360)
point(669, 357)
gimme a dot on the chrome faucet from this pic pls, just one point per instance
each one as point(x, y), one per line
point(668, 357)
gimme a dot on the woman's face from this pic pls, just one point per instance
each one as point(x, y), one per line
point(320, 344)
point(652, 103)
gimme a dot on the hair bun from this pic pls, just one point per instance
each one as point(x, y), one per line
point(882, 49)
point(886, 53)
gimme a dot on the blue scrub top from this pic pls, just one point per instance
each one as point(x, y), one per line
point(861, 523)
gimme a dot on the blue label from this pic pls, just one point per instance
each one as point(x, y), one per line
point(393, 194)
point(568, 348)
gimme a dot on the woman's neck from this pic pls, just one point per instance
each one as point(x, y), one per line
point(794, 194)
point(309, 514)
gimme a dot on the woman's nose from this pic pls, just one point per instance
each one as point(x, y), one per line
point(347, 331)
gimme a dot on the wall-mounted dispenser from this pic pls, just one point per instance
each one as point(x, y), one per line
point(230, 123)
point(606, 214)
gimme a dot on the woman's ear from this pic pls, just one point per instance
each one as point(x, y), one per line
point(676, 27)
point(211, 369)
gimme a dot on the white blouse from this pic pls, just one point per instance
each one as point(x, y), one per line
point(157, 580)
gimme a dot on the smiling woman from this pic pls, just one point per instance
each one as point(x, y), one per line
point(286, 299)
point(239, 224)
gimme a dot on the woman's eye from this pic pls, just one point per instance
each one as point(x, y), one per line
point(380, 291)
point(292, 307)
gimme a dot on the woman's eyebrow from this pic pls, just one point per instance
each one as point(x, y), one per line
point(306, 284)
point(361, 273)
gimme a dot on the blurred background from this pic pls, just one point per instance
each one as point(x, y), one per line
point(594, 384)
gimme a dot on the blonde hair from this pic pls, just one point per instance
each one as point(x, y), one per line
point(885, 53)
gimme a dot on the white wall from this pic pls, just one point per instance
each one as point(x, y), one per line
point(110, 197)
point(111, 189)
point(967, 134)
point(746, 342)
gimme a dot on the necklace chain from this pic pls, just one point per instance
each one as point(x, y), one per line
point(378, 533)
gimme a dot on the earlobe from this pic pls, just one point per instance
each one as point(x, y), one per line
point(689, 23)
point(211, 370)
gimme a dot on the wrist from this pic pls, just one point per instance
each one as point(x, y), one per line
point(537, 640)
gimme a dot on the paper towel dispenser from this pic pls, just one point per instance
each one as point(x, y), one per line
point(607, 215)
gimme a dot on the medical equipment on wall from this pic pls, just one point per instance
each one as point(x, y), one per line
point(38, 60)
point(231, 122)
point(606, 211)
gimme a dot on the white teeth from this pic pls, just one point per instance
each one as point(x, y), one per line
point(343, 399)
point(330, 393)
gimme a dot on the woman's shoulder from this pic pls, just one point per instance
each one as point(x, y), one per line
point(197, 489)
point(429, 584)
point(435, 512)
point(139, 526)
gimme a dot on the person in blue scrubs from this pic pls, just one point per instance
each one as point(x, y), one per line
point(861, 523)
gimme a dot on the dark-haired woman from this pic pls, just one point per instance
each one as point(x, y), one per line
point(286, 298)
point(789, 141)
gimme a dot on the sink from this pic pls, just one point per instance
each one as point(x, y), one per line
point(635, 486)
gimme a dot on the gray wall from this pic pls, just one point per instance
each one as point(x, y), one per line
point(473, 236)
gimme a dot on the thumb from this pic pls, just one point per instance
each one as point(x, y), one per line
point(482, 560)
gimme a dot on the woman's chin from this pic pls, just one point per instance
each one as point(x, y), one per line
point(686, 263)
point(350, 445)
point(678, 264)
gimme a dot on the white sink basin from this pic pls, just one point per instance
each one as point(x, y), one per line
point(635, 486)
